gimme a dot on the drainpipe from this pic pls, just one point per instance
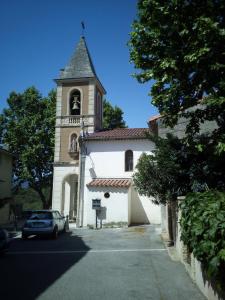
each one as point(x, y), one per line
point(80, 208)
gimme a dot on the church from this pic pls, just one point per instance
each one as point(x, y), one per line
point(93, 167)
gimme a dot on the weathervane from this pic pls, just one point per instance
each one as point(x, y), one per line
point(83, 27)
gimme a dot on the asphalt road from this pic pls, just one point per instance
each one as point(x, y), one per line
point(109, 264)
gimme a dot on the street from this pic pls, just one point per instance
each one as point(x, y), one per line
point(83, 264)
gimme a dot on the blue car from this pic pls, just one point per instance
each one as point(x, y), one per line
point(44, 222)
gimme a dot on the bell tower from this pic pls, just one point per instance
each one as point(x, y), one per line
point(79, 107)
point(79, 103)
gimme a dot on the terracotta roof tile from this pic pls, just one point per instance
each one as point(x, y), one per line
point(121, 182)
point(119, 133)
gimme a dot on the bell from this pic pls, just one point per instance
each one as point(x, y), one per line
point(75, 106)
point(75, 103)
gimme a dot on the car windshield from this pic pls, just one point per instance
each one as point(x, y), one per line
point(41, 215)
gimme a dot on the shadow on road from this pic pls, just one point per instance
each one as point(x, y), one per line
point(31, 266)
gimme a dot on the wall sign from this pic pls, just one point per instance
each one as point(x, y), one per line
point(96, 203)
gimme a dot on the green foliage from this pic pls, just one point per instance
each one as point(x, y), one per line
point(112, 116)
point(27, 127)
point(203, 229)
point(29, 198)
point(162, 174)
point(204, 168)
point(176, 167)
point(181, 46)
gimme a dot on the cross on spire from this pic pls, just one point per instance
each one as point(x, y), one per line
point(82, 27)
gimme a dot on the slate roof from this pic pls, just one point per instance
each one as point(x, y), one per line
point(112, 182)
point(80, 64)
point(119, 134)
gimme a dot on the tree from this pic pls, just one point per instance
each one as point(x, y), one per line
point(27, 127)
point(162, 174)
point(176, 168)
point(181, 46)
point(112, 116)
point(28, 198)
point(202, 231)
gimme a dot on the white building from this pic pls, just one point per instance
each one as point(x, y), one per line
point(110, 159)
point(94, 164)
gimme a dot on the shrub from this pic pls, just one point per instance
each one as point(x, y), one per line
point(203, 229)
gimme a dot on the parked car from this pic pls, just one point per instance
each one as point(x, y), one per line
point(4, 240)
point(44, 222)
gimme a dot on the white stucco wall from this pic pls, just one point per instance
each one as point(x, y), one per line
point(115, 208)
point(59, 175)
point(143, 210)
point(106, 159)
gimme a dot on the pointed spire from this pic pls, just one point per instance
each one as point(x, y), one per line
point(80, 64)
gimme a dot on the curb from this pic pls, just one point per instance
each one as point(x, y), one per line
point(172, 252)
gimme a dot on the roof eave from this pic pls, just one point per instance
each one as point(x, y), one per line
point(110, 182)
point(69, 80)
point(80, 79)
point(91, 139)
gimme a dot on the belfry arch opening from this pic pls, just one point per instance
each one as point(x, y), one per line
point(75, 102)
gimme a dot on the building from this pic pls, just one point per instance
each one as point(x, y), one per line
point(158, 127)
point(5, 183)
point(110, 159)
point(79, 107)
point(90, 163)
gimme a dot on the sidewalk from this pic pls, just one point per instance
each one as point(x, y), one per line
point(13, 229)
point(172, 252)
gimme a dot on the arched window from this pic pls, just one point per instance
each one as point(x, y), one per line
point(73, 143)
point(128, 160)
point(75, 103)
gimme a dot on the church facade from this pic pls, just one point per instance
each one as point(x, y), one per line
point(89, 163)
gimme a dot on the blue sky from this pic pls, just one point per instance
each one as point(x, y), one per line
point(38, 37)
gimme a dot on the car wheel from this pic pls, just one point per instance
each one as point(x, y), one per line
point(55, 233)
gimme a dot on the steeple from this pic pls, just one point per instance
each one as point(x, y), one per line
point(80, 64)
point(79, 108)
